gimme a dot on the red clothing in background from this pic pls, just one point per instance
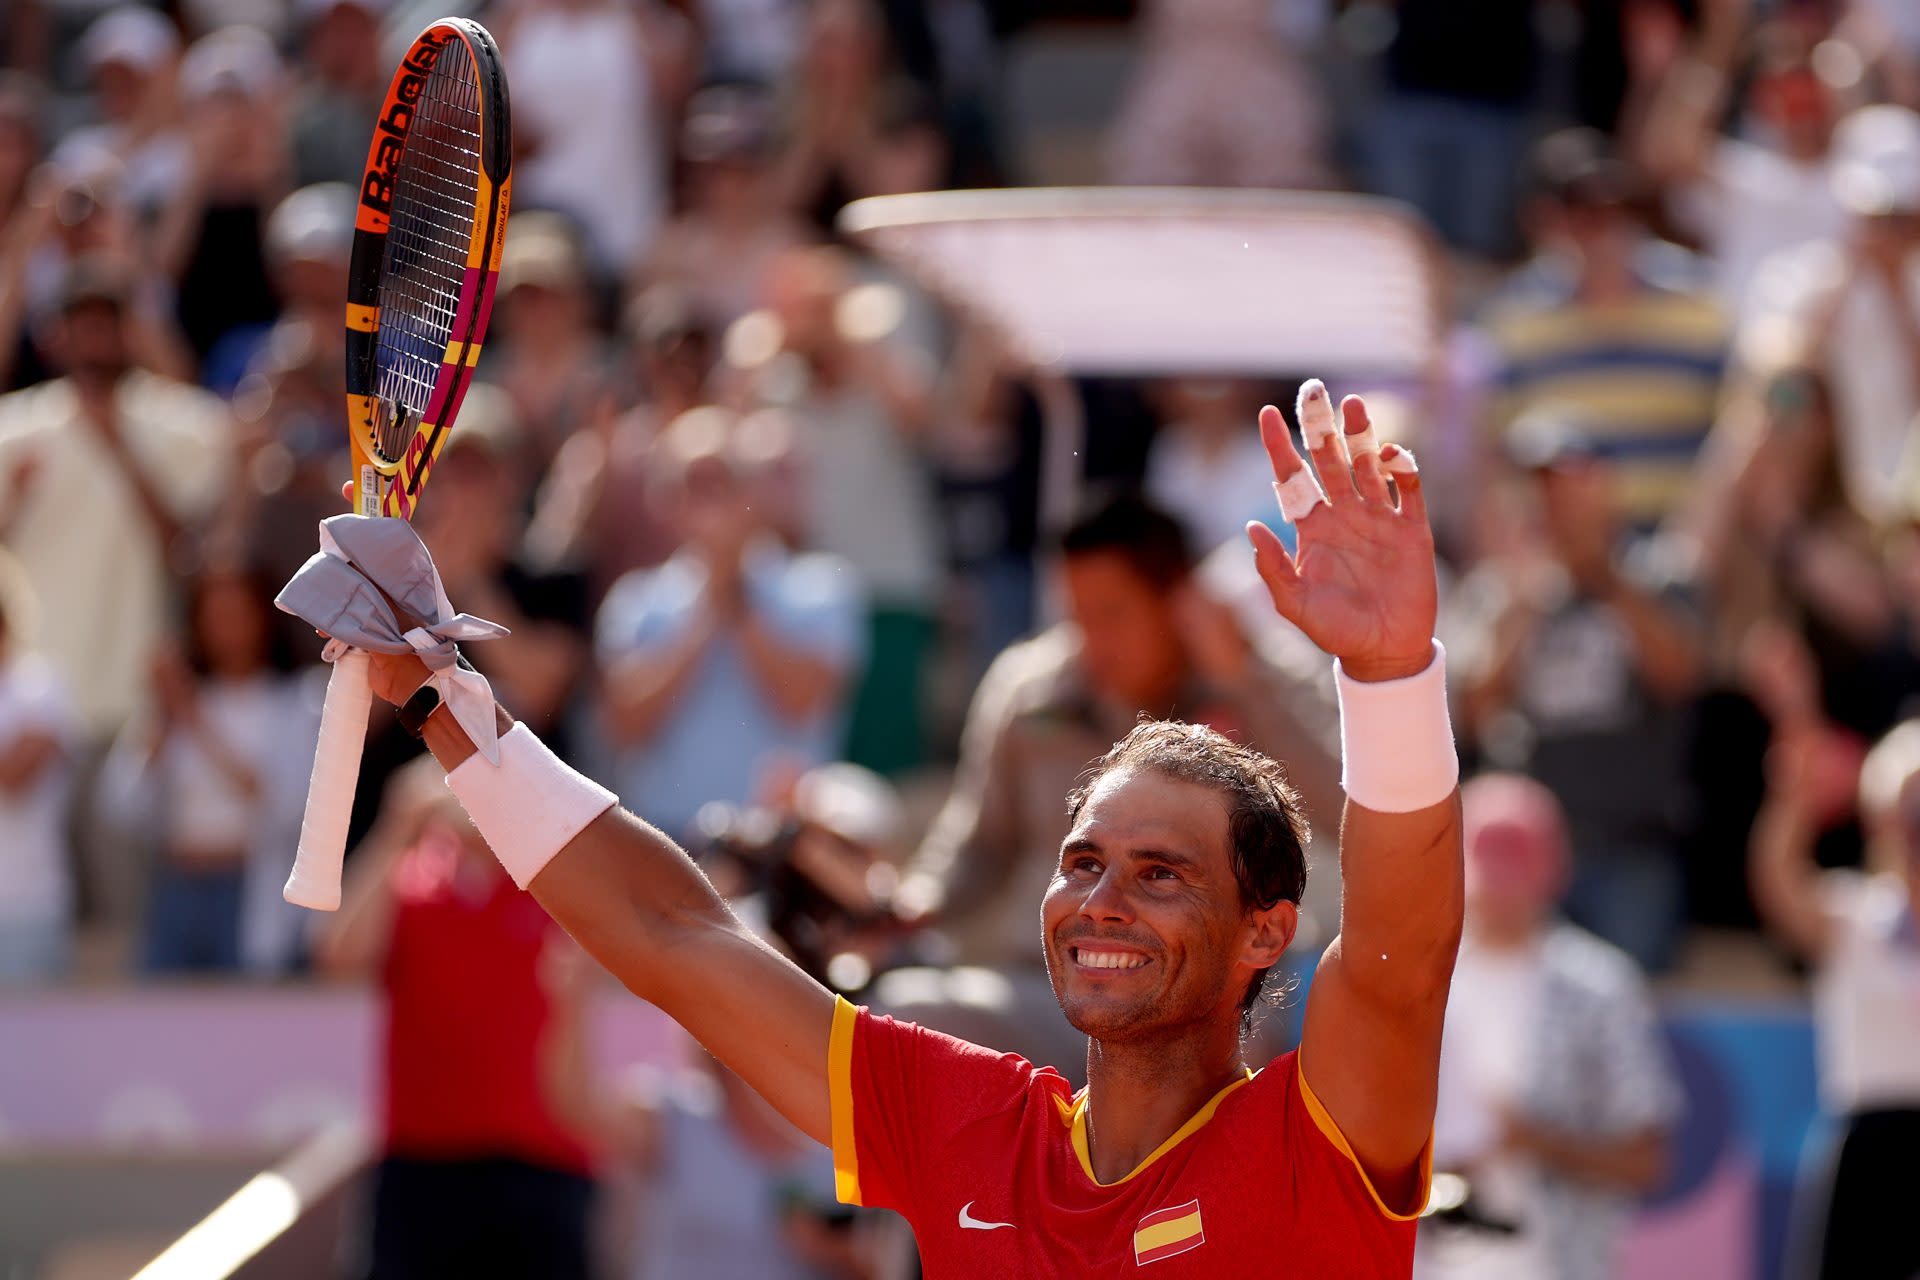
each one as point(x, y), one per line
point(467, 1015)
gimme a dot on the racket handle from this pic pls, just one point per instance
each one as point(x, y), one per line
point(315, 882)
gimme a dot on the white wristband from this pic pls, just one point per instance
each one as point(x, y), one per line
point(1396, 740)
point(530, 804)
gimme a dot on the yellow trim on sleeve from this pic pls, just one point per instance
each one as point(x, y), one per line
point(1179, 1135)
point(846, 1160)
point(1325, 1122)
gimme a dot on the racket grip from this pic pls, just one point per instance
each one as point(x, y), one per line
point(315, 882)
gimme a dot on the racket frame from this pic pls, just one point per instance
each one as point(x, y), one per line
point(391, 486)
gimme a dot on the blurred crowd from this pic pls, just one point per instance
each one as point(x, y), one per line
point(762, 513)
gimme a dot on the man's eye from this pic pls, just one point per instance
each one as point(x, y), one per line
point(1085, 864)
point(1162, 873)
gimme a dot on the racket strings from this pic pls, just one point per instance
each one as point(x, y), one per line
point(429, 233)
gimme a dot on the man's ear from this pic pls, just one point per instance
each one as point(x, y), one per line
point(1270, 930)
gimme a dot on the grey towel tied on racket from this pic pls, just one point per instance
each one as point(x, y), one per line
point(338, 592)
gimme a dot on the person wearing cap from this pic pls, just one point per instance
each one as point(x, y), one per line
point(1611, 321)
point(718, 247)
point(1557, 1096)
point(1578, 653)
point(1859, 930)
point(1851, 304)
point(105, 471)
point(210, 237)
point(130, 54)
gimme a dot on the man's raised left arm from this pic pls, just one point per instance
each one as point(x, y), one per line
point(1362, 585)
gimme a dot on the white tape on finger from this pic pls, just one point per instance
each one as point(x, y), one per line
point(1361, 442)
point(1401, 462)
point(1314, 411)
point(1299, 493)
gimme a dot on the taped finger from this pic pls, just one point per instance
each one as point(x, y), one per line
point(1299, 493)
point(1314, 411)
point(1398, 461)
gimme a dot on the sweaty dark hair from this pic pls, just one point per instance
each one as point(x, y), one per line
point(1126, 524)
point(1266, 826)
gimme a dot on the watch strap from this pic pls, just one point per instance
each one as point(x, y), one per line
point(416, 709)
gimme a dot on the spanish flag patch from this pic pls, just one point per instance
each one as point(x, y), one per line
point(1165, 1232)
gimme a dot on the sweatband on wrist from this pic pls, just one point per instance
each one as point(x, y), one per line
point(1396, 739)
point(529, 805)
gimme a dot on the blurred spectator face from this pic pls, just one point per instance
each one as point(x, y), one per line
point(731, 190)
point(310, 243)
point(1517, 855)
point(343, 42)
point(846, 44)
point(1596, 232)
point(1796, 106)
point(543, 289)
point(803, 291)
point(709, 485)
point(674, 369)
point(1577, 504)
point(1130, 640)
point(90, 341)
point(128, 52)
point(230, 623)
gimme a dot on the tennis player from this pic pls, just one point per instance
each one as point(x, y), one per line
point(1176, 892)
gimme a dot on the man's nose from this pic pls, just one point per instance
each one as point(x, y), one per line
point(1107, 899)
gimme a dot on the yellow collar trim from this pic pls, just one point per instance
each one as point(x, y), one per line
point(1076, 1118)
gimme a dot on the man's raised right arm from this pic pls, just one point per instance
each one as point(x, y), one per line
point(639, 905)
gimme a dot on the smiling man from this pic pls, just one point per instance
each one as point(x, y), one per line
point(1176, 890)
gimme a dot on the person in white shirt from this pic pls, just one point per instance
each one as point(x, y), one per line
point(1858, 930)
point(223, 786)
point(1766, 189)
point(37, 734)
point(1556, 1091)
point(1204, 468)
point(1852, 303)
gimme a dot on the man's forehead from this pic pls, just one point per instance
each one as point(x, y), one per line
point(1143, 806)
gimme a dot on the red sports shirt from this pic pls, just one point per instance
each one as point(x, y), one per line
point(986, 1155)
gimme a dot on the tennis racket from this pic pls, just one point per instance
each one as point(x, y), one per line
point(426, 251)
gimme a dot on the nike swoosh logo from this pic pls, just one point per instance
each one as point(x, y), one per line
point(972, 1223)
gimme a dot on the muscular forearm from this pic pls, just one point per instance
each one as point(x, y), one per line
point(1403, 901)
point(639, 905)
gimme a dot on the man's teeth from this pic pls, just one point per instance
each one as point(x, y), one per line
point(1108, 959)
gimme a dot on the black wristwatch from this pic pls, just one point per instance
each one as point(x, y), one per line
point(415, 710)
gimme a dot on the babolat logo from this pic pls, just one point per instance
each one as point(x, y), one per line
point(390, 131)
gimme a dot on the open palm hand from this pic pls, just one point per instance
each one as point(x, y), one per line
point(1361, 583)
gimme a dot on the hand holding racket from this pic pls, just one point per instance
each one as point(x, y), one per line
point(426, 252)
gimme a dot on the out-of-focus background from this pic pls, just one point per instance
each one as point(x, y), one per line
point(838, 544)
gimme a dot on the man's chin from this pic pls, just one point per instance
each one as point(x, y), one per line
point(1104, 1018)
